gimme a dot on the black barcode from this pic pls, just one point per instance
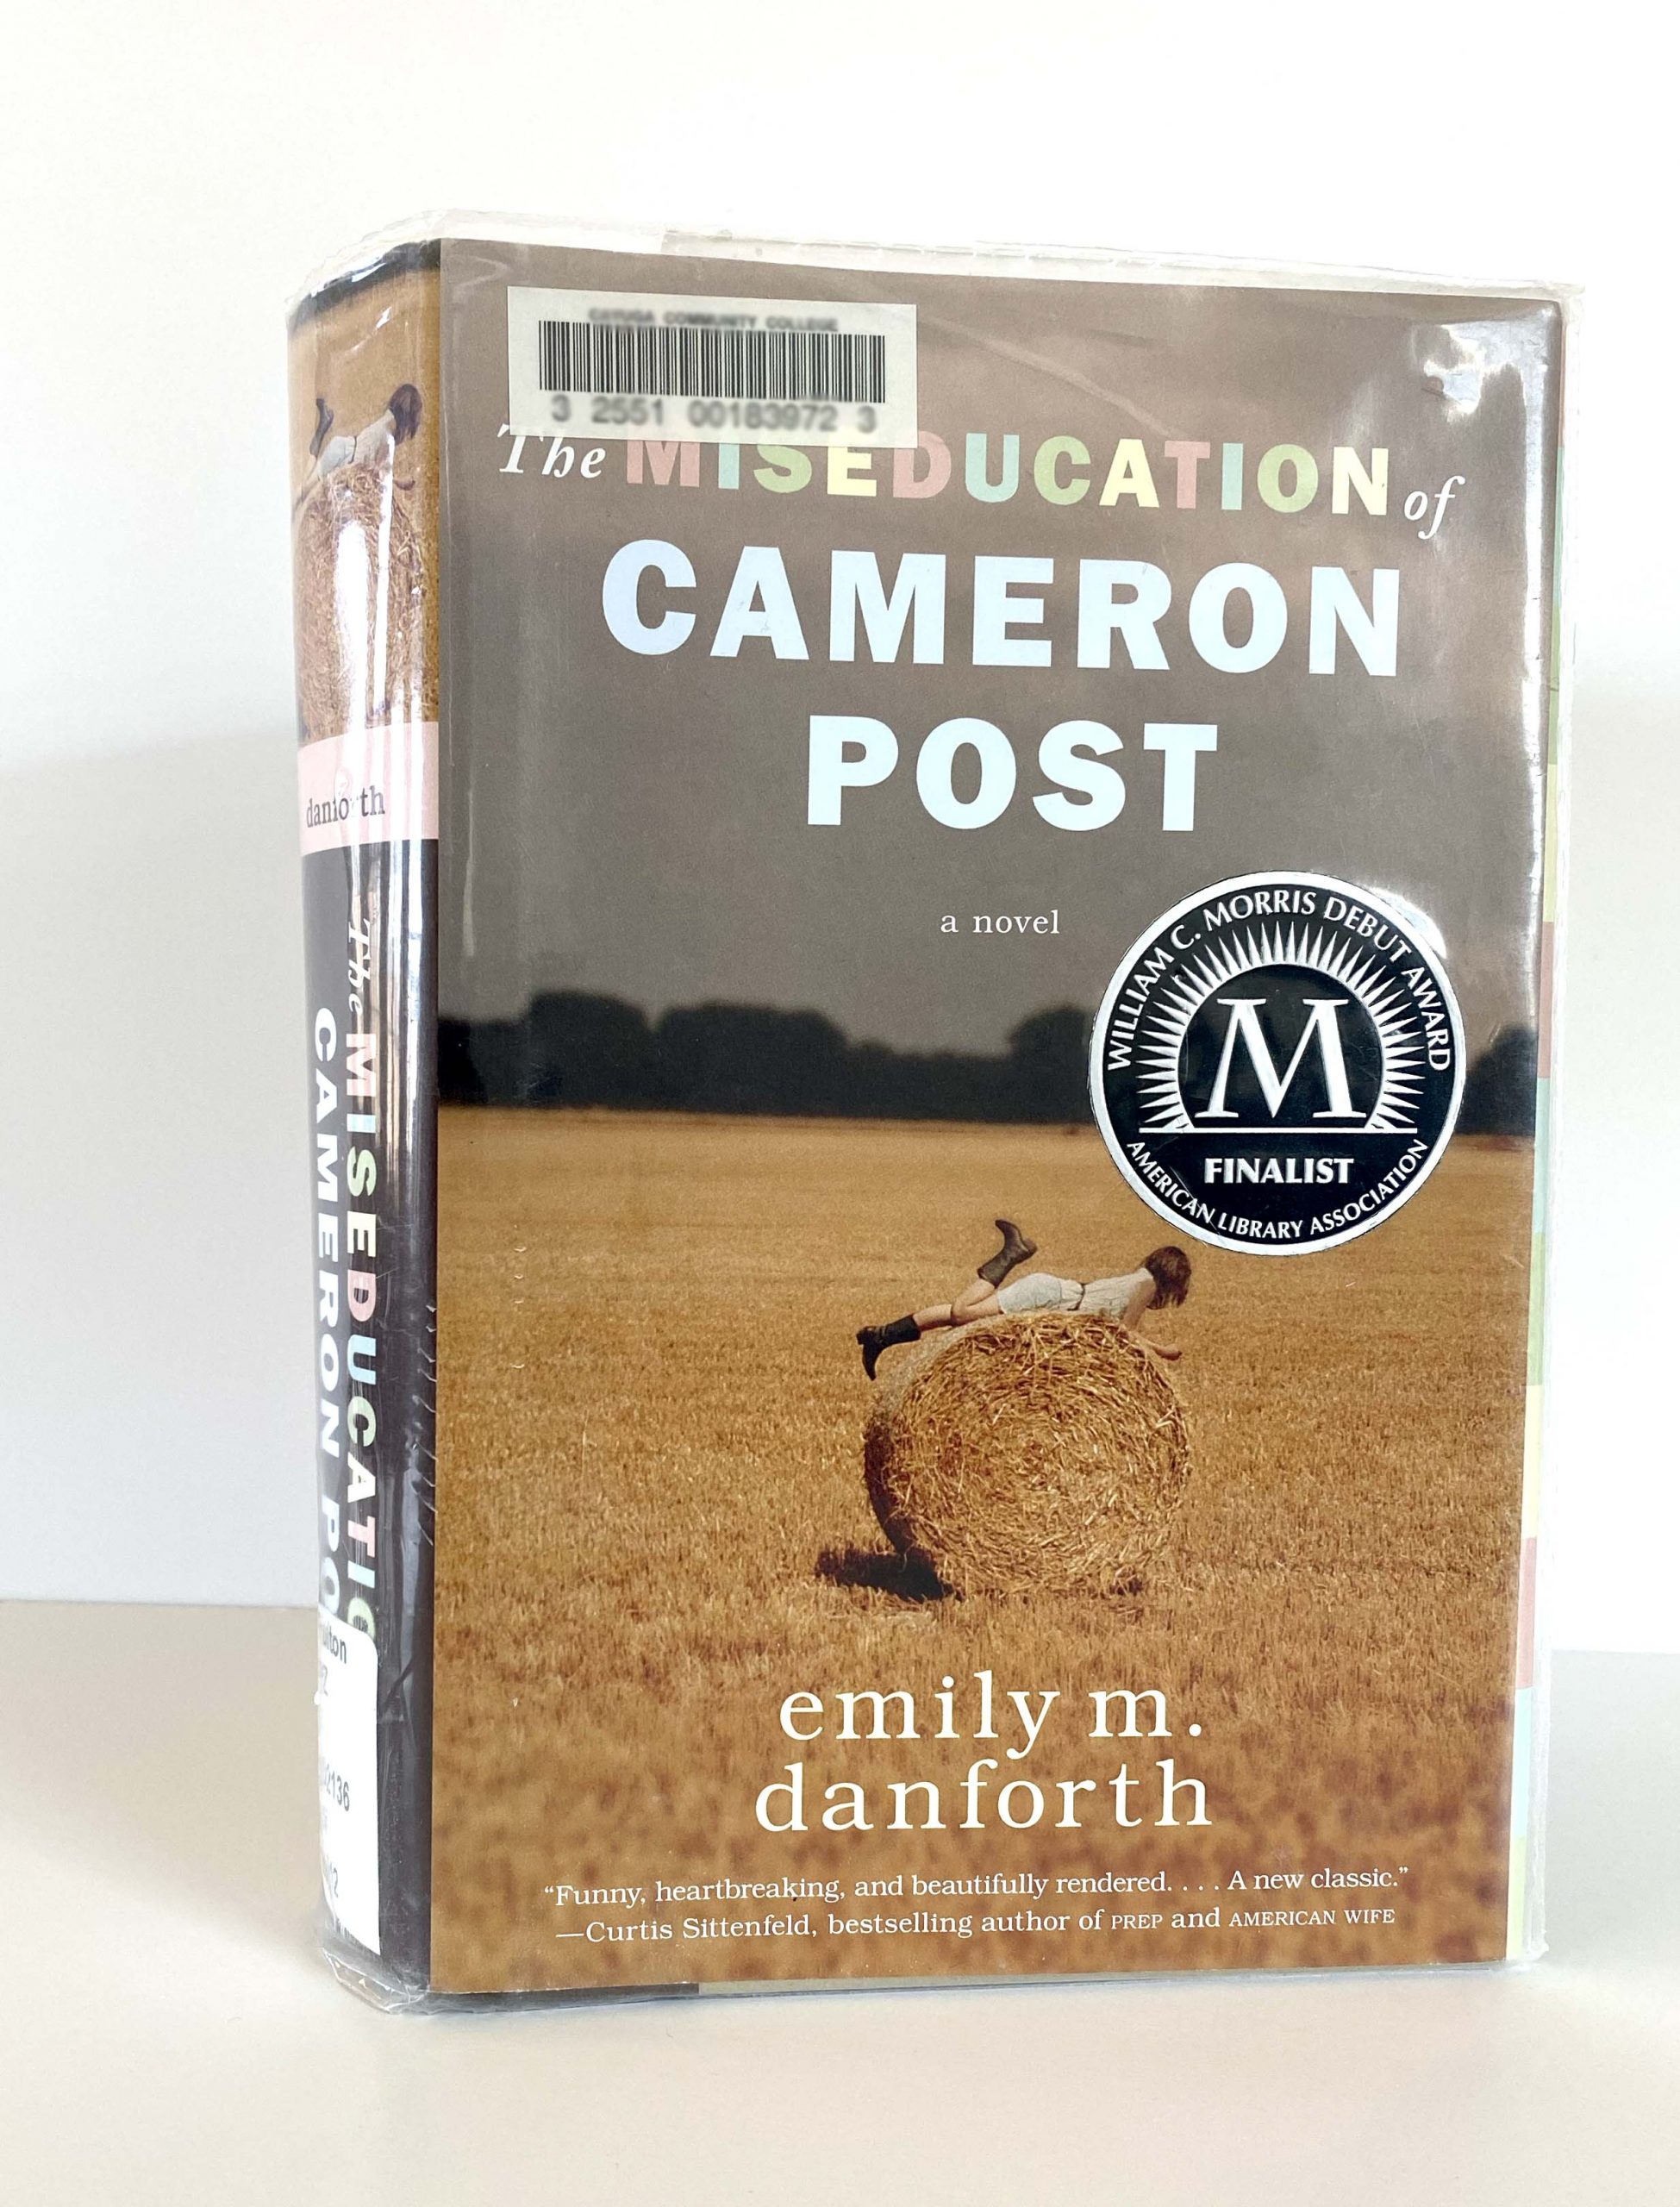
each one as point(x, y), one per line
point(701, 360)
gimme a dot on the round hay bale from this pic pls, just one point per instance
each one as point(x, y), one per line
point(1046, 1453)
point(363, 639)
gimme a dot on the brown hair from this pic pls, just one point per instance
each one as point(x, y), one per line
point(403, 407)
point(1169, 1269)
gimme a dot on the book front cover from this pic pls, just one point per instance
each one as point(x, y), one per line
point(988, 989)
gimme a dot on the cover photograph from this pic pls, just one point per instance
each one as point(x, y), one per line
point(928, 886)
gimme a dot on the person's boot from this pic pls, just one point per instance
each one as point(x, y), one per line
point(1016, 1251)
point(874, 1339)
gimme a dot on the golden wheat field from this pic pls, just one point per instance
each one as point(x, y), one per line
point(652, 1527)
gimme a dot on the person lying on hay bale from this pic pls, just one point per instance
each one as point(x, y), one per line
point(371, 447)
point(1161, 1280)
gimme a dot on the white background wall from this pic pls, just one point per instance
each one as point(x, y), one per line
point(170, 173)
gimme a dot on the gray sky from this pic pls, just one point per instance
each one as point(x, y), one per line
point(637, 825)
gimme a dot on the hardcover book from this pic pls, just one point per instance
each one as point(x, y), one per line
point(929, 886)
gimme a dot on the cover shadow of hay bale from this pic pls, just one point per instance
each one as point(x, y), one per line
point(1046, 1454)
point(881, 1571)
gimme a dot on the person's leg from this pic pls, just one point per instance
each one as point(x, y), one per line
point(978, 1299)
point(1016, 1251)
point(871, 1339)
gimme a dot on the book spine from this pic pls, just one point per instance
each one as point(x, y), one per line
point(363, 365)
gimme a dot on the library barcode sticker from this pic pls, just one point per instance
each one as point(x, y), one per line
point(346, 1706)
point(701, 370)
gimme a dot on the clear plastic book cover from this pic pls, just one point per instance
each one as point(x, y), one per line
point(930, 883)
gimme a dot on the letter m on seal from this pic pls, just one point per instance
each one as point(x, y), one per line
point(1322, 1028)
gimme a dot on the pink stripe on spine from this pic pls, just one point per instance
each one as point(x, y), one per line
point(373, 786)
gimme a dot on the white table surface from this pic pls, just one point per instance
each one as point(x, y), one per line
point(168, 2034)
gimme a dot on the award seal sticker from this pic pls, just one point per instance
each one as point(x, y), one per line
point(1278, 1062)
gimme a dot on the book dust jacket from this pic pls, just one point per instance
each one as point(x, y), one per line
point(928, 888)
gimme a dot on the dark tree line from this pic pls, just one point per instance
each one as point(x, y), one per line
point(571, 1049)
